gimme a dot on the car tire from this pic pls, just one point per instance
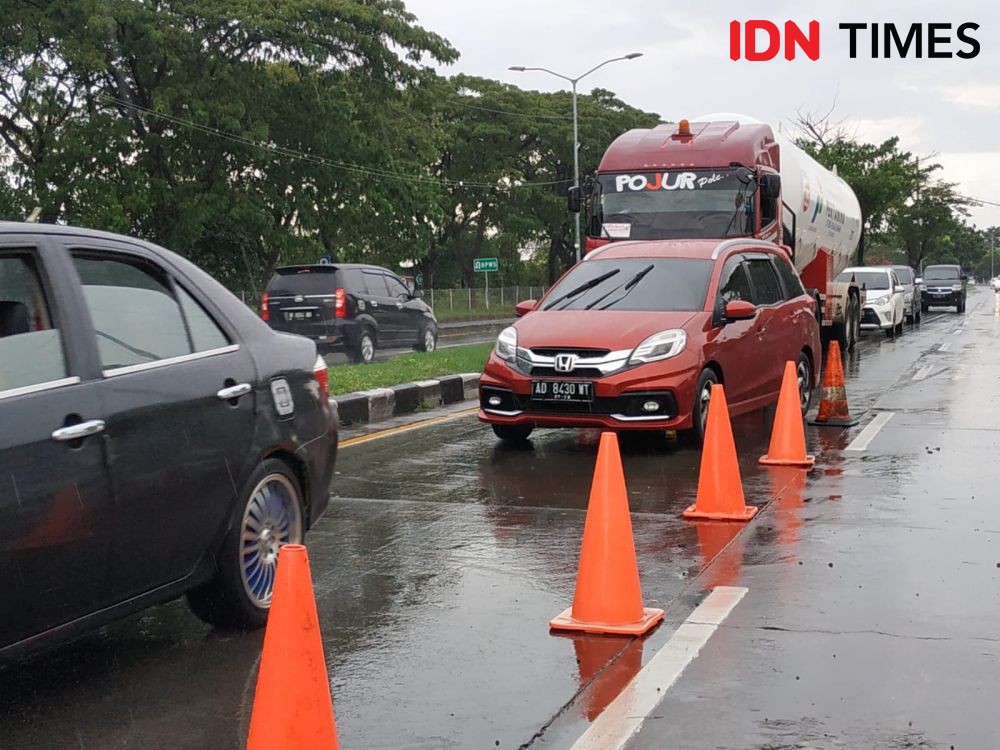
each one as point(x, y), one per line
point(271, 510)
point(427, 341)
point(363, 352)
point(890, 332)
point(699, 409)
point(513, 433)
point(960, 308)
point(806, 379)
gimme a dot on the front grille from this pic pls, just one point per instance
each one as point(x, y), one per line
point(585, 353)
point(578, 372)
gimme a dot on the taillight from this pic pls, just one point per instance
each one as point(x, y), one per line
point(322, 377)
point(265, 314)
point(340, 305)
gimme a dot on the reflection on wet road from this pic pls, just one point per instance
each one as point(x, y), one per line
point(443, 556)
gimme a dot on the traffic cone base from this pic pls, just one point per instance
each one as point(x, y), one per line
point(807, 463)
point(849, 422)
point(692, 513)
point(565, 621)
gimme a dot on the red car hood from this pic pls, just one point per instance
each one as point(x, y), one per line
point(595, 329)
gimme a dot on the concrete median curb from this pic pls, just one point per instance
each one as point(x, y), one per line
point(380, 404)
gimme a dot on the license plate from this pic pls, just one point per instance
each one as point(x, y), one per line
point(298, 316)
point(562, 390)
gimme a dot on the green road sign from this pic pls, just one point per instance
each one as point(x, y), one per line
point(485, 264)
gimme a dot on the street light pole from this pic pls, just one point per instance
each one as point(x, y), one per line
point(576, 130)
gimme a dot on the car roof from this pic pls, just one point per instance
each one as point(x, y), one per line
point(700, 249)
point(330, 266)
point(855, 269)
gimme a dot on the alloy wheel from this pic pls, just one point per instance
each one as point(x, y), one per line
point(272, 519)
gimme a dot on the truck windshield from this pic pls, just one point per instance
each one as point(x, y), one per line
point(692, 204)
point(651, 284)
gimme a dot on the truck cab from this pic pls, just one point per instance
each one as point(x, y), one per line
point(730, 176)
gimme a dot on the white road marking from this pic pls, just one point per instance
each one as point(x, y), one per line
point(923, 372)
point(625, 715)
point(868, 434)
point(945, 346)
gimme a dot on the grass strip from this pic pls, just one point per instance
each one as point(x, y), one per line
point(409, 367)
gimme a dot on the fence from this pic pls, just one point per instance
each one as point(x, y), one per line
point(469, 302)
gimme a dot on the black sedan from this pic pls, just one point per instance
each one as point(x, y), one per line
point(156, 438)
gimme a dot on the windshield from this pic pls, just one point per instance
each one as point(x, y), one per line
point(905, 275)
point(653, 284)
point(869, 279)
point(933, 273)
point(672, 205)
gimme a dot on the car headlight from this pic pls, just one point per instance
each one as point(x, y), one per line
point(956, 287)
point(506, 347)
point(662, 345)
point(882, 302)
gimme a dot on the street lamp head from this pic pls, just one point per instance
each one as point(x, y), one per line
point(516, 68)
point(633, 55)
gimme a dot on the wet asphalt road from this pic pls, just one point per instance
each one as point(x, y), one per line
point(870, 619)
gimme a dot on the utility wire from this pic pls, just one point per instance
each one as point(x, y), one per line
point(323, 161)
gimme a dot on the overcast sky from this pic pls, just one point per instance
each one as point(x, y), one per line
point(948, 106)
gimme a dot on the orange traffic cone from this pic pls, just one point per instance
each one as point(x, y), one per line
point(292, 707)
point(833, 411)
point(720, 488)
point(608, 597)
point(788, 437)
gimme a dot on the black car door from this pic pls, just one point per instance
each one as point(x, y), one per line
point(54, 491)
point(178, 392)
point(409, 315)
point(381, 306)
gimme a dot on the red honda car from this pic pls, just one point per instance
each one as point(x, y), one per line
point(634, 336)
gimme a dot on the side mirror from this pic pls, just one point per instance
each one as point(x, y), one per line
point(965, 277)
point(574, 200)
point(523, 308)
point(770, 186)
point(417, 294)
point(740, 309)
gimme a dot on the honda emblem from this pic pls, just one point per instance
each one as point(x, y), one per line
point(565, 362)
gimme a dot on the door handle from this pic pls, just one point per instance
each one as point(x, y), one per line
point(78, 431)
point(374, 303)
point(399, 305)
point(234, 391)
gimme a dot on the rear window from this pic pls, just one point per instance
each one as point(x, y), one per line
point(306, 280)
point(653, 284)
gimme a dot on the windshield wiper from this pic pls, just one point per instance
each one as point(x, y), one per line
point(629, 286)
point(583, 288)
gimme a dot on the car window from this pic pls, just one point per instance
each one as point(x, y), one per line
point(31, 351)
point(736, 283)
point(766, 290)
point(205, 332)
point(135, 315)
point(396, 287)
point(905, 275)
point(375, 283)
point(790, 279)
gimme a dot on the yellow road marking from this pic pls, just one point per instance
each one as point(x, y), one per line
point(407, 428)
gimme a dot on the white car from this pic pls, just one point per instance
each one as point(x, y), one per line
point(995, 282)
point(885, 304)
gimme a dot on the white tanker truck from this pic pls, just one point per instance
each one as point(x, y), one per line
point(644, 190)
